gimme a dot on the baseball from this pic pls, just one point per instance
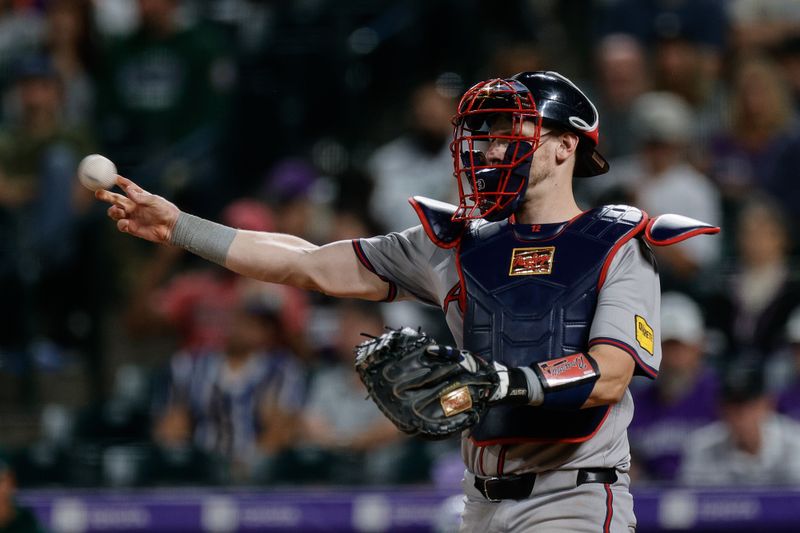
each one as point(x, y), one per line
point(97, 172)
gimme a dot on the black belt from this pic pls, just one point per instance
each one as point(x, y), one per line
point(519, 487)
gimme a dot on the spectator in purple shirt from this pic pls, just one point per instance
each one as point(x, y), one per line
point(683, 397)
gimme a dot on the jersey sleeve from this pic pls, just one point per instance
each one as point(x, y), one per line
point(404, 260)
point(628, 313)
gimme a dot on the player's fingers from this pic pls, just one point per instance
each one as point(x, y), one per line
point(125, 182)
point(104, 195)
point(127, 225)
point(116, 212)
point(117, 199)
point(130, 188)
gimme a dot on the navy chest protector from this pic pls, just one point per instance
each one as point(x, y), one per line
point(529, 294)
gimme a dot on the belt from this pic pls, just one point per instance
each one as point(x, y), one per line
point(519, 487)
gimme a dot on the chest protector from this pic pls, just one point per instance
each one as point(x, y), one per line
point(529, 294)
point(531, 297)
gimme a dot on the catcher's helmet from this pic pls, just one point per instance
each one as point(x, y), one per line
point(563, 106)
point(493, 190)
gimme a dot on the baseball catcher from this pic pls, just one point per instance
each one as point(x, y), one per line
point(553, 308)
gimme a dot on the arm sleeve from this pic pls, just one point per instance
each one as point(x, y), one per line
point(404, 259)
point(628, 308)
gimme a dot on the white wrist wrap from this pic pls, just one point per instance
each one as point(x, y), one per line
point(535, 389)
point(531, 393)
point(502, 387)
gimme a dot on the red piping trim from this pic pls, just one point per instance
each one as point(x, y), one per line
point(392, 291)
point(524, 440)
point(426, 225)
point(362, 257)
point(713, 230)
point(462, 297)
point(451, 296)
point(650, 371)
point(609, 508)
point(501, 460)
point(625, 238)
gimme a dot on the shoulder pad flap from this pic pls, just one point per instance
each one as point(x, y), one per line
point(664, 230)
point(625, 214)
point(436, 218)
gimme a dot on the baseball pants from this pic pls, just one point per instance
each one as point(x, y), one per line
point(556, 505)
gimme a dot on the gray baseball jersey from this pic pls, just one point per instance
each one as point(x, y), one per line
point(627, 316)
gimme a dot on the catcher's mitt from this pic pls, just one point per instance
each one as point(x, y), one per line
point(425, 389)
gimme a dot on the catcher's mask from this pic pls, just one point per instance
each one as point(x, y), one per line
point(490, 189)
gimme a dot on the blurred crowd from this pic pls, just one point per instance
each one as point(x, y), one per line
point(124, 364)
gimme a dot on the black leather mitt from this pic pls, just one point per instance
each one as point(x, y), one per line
point(425, 389)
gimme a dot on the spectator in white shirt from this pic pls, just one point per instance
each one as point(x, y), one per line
point(751, 445)
point(418, 162)
point(659, 178)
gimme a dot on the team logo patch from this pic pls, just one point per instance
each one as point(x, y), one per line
point(531, 261)
point(644, 334)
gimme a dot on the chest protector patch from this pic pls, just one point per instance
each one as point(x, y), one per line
point(531, 261)
point(530, 298)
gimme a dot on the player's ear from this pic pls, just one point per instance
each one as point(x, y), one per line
point(567, 145)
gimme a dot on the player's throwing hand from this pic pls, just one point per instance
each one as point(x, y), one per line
point(139, 212)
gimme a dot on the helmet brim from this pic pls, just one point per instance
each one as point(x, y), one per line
point(589, 163)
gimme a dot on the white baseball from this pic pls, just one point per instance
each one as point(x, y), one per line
point(97, 172)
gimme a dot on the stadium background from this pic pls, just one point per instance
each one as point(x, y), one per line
point(145, 390)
